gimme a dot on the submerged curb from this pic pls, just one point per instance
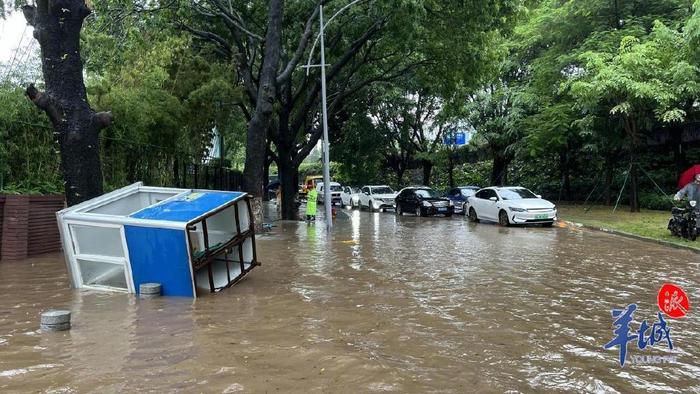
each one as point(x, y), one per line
point(630, 235)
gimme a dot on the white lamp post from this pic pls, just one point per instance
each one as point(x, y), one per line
point(328, 202)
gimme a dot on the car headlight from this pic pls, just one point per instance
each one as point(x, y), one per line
point(427, 204)
point(516, 209)
point(693, 203)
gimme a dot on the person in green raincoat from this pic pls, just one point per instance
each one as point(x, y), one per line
point(311, 204)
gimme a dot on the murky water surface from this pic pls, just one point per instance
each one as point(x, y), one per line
point(383, 304)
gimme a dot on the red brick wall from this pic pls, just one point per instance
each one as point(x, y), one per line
point(29, 226)
point(43, 228)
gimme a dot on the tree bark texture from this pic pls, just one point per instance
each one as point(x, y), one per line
point(427, 170)
point(256, 143)
point(609, 172)
point(57, 26)
point(450, 169)
point(499, 170)
point(633, 133)
point(288, 182)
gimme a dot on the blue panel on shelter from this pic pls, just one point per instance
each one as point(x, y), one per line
point(160, 256)
point(187, 207)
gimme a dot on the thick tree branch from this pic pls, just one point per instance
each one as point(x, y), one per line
point(102, 119)
point(209, 36)
point(234, 22)
point(29, 12)
point(303, 42)
point(43, 102)
point(335, 70)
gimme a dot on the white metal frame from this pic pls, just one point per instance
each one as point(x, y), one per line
point(78, 215)
point(75, 254)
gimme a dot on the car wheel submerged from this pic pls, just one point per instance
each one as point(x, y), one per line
point(503, 218)
point(472, 216)
point(419, 212)
point(399, 212)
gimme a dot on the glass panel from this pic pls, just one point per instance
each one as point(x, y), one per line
point(95, 273)
point(103, 241)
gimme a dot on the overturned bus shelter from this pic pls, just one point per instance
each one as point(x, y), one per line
point(190, 241)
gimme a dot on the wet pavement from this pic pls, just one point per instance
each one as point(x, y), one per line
point(384, 303)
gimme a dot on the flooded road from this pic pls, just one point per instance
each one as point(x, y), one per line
point(384, 303)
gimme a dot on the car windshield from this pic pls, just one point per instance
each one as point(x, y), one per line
point(427, 193)
point(336, 188)
point(382, 190)
point(516, 194)
point(468, 192)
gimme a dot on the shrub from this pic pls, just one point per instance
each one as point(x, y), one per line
point(656, 202)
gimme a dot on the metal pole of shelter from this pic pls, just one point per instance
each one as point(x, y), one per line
point(327, 201)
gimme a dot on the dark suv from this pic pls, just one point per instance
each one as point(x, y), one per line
point(423, 201)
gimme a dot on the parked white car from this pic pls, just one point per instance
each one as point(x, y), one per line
point(350, 197)
point(335, 193)
point(510, 205)
point(377, 198)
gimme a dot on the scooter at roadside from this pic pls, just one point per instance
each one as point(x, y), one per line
point(685, 222)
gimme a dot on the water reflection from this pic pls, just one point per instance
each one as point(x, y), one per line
point(383, 303)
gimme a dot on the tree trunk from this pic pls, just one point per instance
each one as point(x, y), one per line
point(288, 182)
point(609, 172)
point(399, 176)
point(631, 128)
point(498, 171)
point(256, 142)
point(57, 26)
point(634, 183)
point(266, 179)
point(427, 169)
point(565, 174)
point(450, 170)
point(679, 157)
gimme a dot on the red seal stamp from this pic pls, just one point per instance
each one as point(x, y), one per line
point(673, 301)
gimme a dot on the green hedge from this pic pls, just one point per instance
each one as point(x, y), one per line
point(656, 202)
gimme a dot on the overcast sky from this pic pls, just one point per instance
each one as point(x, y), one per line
point(10, 34)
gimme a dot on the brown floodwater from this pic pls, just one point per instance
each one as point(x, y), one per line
point(382, 304)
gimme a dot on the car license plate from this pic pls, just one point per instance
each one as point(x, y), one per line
point(541, 216)
point(442, 209)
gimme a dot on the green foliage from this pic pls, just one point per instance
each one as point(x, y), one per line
point(649, 80)
point(655, 202)
point(166, 98)
point(28, 155)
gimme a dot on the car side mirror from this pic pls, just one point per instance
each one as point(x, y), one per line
point(538, 195)
point(493, 198)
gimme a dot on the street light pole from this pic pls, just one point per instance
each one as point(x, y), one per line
point(327, 201)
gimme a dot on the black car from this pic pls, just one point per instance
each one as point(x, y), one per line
point(423, 201)
point(459, 196)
